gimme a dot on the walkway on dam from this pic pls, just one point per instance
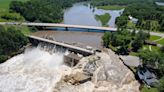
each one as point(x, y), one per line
point(59, 25)
point(75, 48)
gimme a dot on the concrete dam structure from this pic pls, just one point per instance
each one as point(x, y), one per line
point(59, 45)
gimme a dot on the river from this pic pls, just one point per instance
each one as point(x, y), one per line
point(84, 14)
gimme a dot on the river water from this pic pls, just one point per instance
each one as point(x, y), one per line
point(84, 14)
point(37, 70)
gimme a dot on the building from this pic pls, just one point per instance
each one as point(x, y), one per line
point(133, 20)
point(147, 76)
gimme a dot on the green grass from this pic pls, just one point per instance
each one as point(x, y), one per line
point(4, 4)
point(145, 47)
point(130, 25)
point(104, 19)
point(153, 38)
point(161, 41)
point(24, 29)
point(133, 53)
point(155, 48)
point(113, 48)
point(145, 89)
point(111, 7)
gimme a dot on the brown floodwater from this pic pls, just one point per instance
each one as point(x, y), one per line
point(92, 39)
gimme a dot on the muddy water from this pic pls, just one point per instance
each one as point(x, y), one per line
point(82, 38)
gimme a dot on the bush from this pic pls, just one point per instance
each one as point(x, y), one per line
point(3, 58)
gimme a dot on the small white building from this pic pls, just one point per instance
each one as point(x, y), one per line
point(133, 20)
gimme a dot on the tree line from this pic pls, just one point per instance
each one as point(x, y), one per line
point(11, 40)
point(125, 41)
point(42, 10)
point(150, 16)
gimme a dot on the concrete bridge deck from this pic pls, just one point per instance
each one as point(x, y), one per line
point(69, 47)
point(59, 25)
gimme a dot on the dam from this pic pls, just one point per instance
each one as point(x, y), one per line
point(84, 51)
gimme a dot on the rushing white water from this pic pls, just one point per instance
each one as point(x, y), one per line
point(33, 71)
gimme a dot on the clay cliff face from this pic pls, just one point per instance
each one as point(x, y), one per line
point(103, 72)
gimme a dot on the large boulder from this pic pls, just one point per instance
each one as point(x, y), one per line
point(103, 72)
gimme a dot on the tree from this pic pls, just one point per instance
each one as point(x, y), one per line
point(137, 44)
point(133, 32)
point(106, 38)
point(123, 50)
point(162, 49)
point(122, 21)
point(161, 87)
point(143, 35)
point(11, 40)
point(151, 59)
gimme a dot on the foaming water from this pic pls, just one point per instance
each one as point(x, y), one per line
point(33, 71)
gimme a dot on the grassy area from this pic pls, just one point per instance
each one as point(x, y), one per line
point(145, 89)
point(130, 24)
point(161, 41)
point(153, 38)
point(104, 19)
point(4, 11)
point(111, 7)
point(4, 4)
point(24, 29)
point(133, 53)
point(155, 48)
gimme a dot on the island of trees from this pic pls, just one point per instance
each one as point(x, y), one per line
point(150, 15)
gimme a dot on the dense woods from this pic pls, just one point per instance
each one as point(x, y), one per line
point(150, 15)
point(11, 40)
point(125, 41)
point(42, 10)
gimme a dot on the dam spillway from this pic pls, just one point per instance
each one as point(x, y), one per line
point(84, 51)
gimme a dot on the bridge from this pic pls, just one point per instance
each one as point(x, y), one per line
point(83, 51)
point(59, 25)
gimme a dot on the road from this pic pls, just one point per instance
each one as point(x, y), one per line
point(59, 25)
point(157, 34)
point(70, 26)
point(154, 33)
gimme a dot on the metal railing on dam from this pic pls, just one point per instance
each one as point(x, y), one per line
point(83, 51)
point(59, 25)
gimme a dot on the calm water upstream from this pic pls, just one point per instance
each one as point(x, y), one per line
point(84, 14)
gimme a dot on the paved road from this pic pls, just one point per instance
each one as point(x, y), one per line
point(157, 34)
point(71, 26)
point(59, 25)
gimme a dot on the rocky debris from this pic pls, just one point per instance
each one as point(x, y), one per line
point(103, 72)
point(91, 66)
point(77, 78)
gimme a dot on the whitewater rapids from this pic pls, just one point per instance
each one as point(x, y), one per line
point(33, 71)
